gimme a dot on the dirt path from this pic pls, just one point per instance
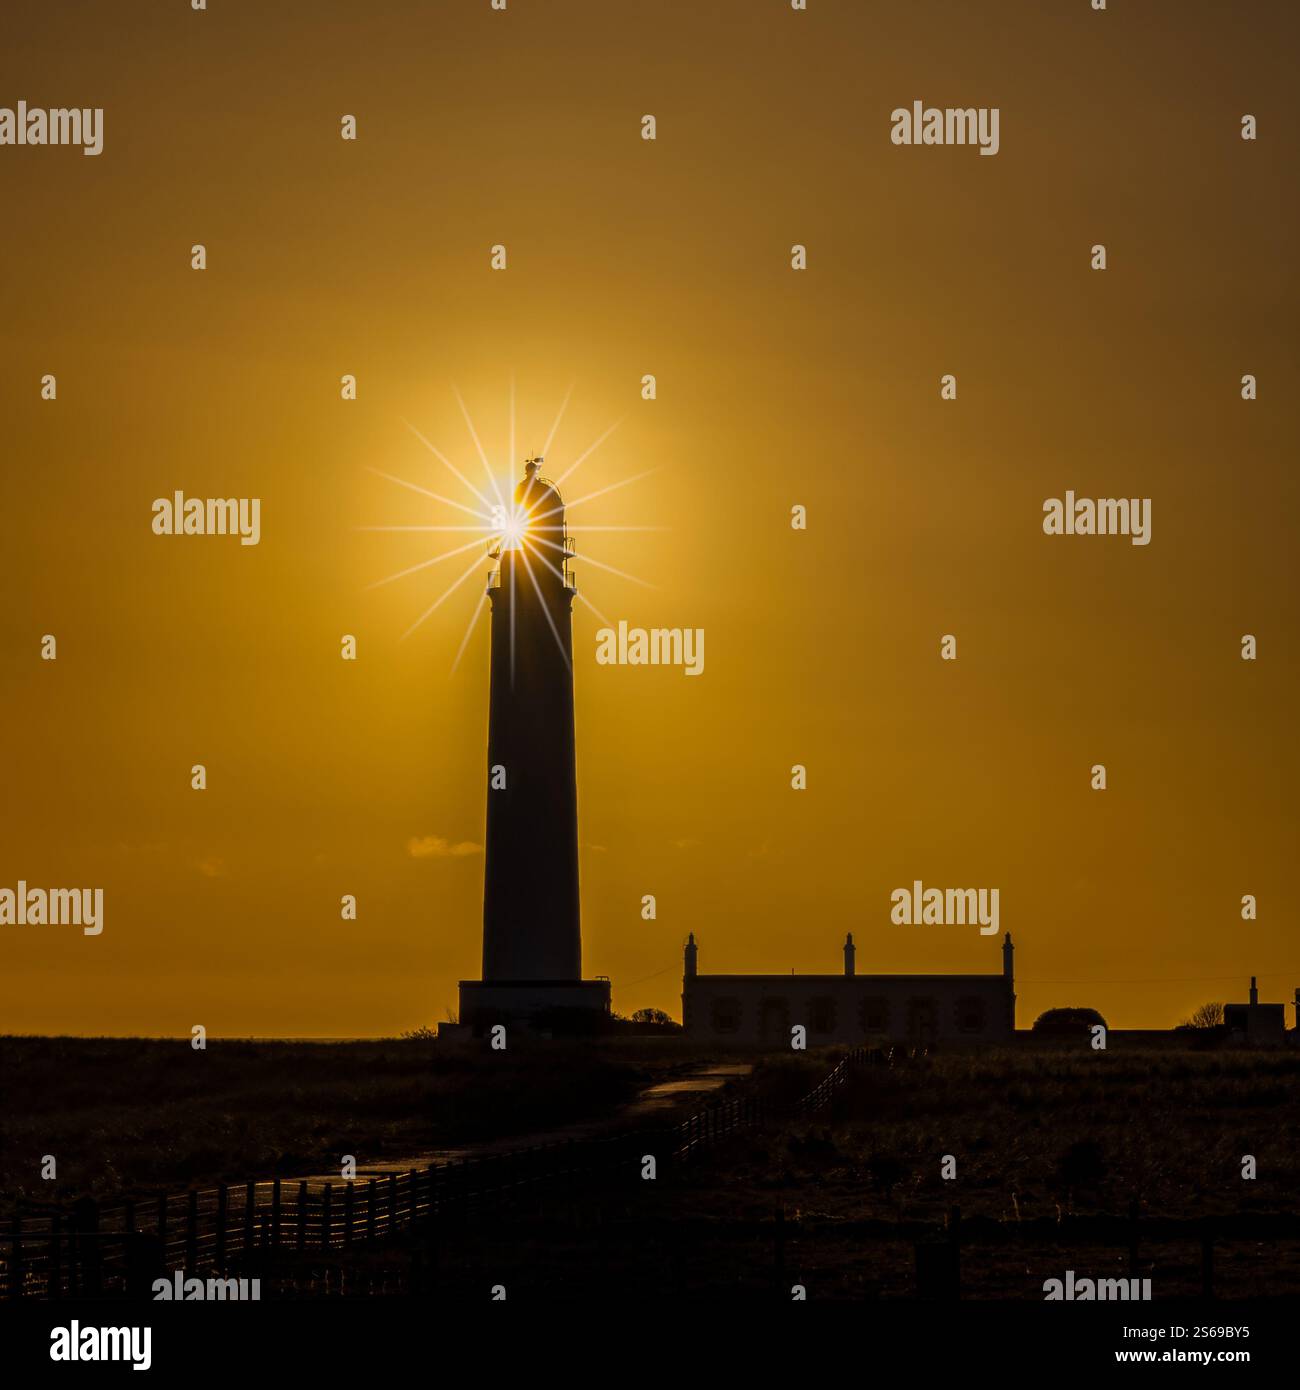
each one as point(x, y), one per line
point(657, 1102)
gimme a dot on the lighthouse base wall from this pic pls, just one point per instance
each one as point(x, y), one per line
point(557, 1007)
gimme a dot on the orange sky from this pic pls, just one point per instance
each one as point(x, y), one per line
point(775, 388)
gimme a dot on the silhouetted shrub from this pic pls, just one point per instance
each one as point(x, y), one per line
point(1067, 1022)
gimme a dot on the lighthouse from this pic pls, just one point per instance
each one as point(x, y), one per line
point(532, 938)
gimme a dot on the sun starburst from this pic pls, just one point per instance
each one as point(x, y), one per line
point(503, 521)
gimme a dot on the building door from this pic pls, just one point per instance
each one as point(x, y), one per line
point(922, 1020)
point(774, 1023)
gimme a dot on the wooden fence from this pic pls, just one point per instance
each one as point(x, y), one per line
point(779, 1252)
point(90, 1250)
point(822, 1093)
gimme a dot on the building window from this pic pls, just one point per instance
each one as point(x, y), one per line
point(726, 1015)
point(970, 1014)
point(873, 1014)
point(821, 1015)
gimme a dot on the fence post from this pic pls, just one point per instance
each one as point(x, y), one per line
point(223, 1198)
point(326, 1219)
point(16, 1258)
point(145, 1264)
point(372, 1197)
point(349, 1210)
point(392, 1203)
point(275, 1212)
point(954, 1240)
point(192, 1233)
point(302, 1216)
point(86, 1216)
point(250, 1206)
point(412, 1195)
point(55, 1289)
point(430, 1186)
point(128, 1227)
point(778, 1252)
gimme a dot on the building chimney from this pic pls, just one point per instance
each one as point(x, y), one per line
point(850, 955)
point(1008, 954)
point(692, 956)
point(1254, 993)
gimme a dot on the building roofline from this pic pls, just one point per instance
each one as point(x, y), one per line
point(823, 979)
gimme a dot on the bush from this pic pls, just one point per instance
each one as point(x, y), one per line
point(1067, 1022)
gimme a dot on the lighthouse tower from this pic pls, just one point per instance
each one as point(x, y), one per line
point(532, 944)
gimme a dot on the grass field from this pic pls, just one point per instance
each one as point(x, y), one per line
point(128, 1116)
point(1040, 1140)
point(1034, 1138)
point(1035, 1133)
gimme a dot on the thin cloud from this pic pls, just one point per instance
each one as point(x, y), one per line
point(435, 847)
